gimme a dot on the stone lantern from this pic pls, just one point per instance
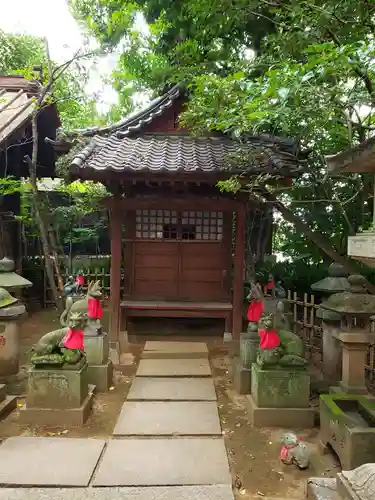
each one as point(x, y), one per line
point(335, 282)
point(10, 280)
point(355, 308)
point(10, 313)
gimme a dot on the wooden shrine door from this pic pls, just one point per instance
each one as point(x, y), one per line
point(181, 256)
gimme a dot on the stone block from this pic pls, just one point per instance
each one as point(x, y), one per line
point(280, 388)
point(59, 417)
point(7, 403)
point(206, 492)
point(249, 344)
point(9, 348)
point(174, 368)
point(289, 418)
point(40, 461)
point(174, 350)
point(234, 349)
point(163, 462)
point(101, 376)
point(96, 349)
point(57, 388)
point(347, 424)
point(322, 488)
point(172, 389)
point(168, 418)
point(241, 377)
point(3, 392)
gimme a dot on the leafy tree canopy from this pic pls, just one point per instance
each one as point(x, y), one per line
point(298, 68)
point(26, 55)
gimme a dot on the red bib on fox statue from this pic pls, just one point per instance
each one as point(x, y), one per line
point(94, 309)
point(74, 339)
point(268, 339)
point(255, 311)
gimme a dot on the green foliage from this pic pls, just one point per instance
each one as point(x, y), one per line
point(302, 69)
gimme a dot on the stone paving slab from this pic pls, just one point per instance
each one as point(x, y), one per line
point(39, 461)
point(162, 350)
point(181, 418)
point(220, 492)
point(172, 389)
point(163, 462)
point(174, 368)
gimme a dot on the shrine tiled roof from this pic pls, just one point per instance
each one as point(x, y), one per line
point(178, 153)
point(136, 121)
point(128, 147)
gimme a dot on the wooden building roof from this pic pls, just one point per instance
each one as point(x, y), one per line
point(15, 105)
point(146, 142)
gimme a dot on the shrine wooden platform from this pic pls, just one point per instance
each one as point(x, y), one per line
point(174, 309)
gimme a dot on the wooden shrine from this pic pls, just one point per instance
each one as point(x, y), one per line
point(177, 242)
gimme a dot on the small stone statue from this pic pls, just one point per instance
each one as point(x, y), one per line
point(294, 451)
point(74, 286)
point(90, 306)
point(63, 346)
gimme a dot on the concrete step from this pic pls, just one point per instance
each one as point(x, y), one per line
point(210, 492)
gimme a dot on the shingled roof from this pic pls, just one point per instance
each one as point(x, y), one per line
point(15, 105)
point(122, 148)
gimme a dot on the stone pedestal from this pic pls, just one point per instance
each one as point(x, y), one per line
point(332, 350)
point(354, 357)
point(244, 358)
point(249, 343)
point(347, 425)
point(60, 397)
point(241, 377)
point(100, 368)
point(9, 340)
point(280, 398)
point(7, 403)
point(335, 282)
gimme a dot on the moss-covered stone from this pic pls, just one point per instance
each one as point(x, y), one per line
point(347, 424)
point(280, 388)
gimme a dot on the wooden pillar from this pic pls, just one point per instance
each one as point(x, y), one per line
point(239, 264)
point(115, 284)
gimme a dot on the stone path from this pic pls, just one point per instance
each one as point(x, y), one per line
point(167, 442)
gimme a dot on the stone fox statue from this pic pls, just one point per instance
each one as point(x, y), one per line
point(287, 349)
point(90, 306)
point(56, 348)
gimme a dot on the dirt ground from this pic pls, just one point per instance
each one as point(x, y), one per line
point(253, 453)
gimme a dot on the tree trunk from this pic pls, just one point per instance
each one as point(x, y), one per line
point(322, 242)
point(49, 262)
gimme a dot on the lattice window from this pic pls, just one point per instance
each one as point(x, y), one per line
point(202, 226)
point(156, 224)
point(169, 225)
